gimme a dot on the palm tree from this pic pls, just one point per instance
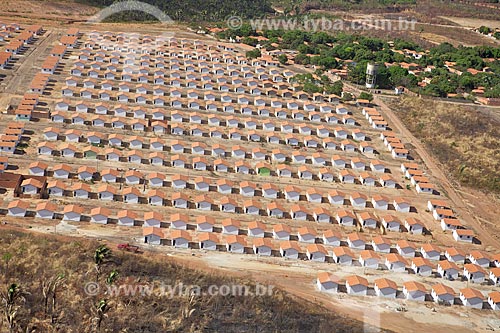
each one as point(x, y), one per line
point(112, 277)
point(11, 304)
point(50, 288)
point(100, 256)
point(101, 310)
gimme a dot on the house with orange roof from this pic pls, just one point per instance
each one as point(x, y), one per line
point(152, 219)
point(401, 205)
point(72, 213)
point(153, 235)
point(425, 188)
point(430, 251)
point(405, 248)
point(380, 202)
point(281, 231)
point(421, 266)
point(367, 220)
point(230, 226)
point(479, 258)
point(347, 177)
point(443, 294)
point(31, 186)
point(450, 224)
point(180, 238)
point(235, 244)
point(262, 246)
point(284, 170)
point(228, 205)
point(208, 241)
point(358, 199)
point(126, 217)
point(448, 270)
point(454, 255)
point(345, 218)
point(179, 221)
point(331, 238)
point(336, 197)
point(385, 288)
point(61, 171)
point(100, 215)
point(327, 282)
point(316, 252)
point(495, 275)
point(56, 188)
point(306, 234)
point(180, 200)
point(391, 223)
point(494, 300)
point(205, 223)
point(356, 241)
point(414, 226)
point(17, 208)
point(251, 207)
point(381, 244)
point(356, 285)
point(290, 249)
point(38, 168)
point(342, 255)
point(463, 235)
point(414, 291)
point(474, 273)
point(496, 260)
point(256, 229)
point(395, 262)
point(369, 258)
point(471, 298)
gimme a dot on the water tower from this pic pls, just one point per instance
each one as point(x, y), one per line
point(371, 75)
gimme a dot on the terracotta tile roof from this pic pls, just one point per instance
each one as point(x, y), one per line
point(385, 283)
point(471, 293)
point(354, 280)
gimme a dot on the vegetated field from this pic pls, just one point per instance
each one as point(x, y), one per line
point(465, 140)
point(456, 36)
point(473, 22)
point(35, 259)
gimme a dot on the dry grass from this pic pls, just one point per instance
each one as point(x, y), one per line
point(464, 139)
point(38, 258)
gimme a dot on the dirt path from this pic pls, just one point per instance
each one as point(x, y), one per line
point(460, 205)
point(16, 82)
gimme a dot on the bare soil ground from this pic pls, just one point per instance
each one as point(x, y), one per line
point(473, 22)
point(296, 278)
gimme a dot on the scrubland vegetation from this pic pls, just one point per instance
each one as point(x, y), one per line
point(42, 281)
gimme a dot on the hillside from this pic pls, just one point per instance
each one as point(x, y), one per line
point(195, 10)
point(30, 260)
point(463, 139)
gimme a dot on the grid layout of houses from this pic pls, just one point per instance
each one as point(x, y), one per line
point(15, 40)
point(198, 147)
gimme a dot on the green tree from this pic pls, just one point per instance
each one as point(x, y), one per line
point(365, 95)
point(101, 255)
point(253, 54)
point(12, 300)
point(283, 59)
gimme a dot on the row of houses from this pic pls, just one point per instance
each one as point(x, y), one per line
point(69, 150)
point(231, 134)
point(157, 145)
point(411, 290)
point(101, 114)
point(221, 91)
point(275, 109)
point(183, 238)
point(11, 137)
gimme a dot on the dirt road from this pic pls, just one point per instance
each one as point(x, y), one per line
point(16, 82)
point(459, 204)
